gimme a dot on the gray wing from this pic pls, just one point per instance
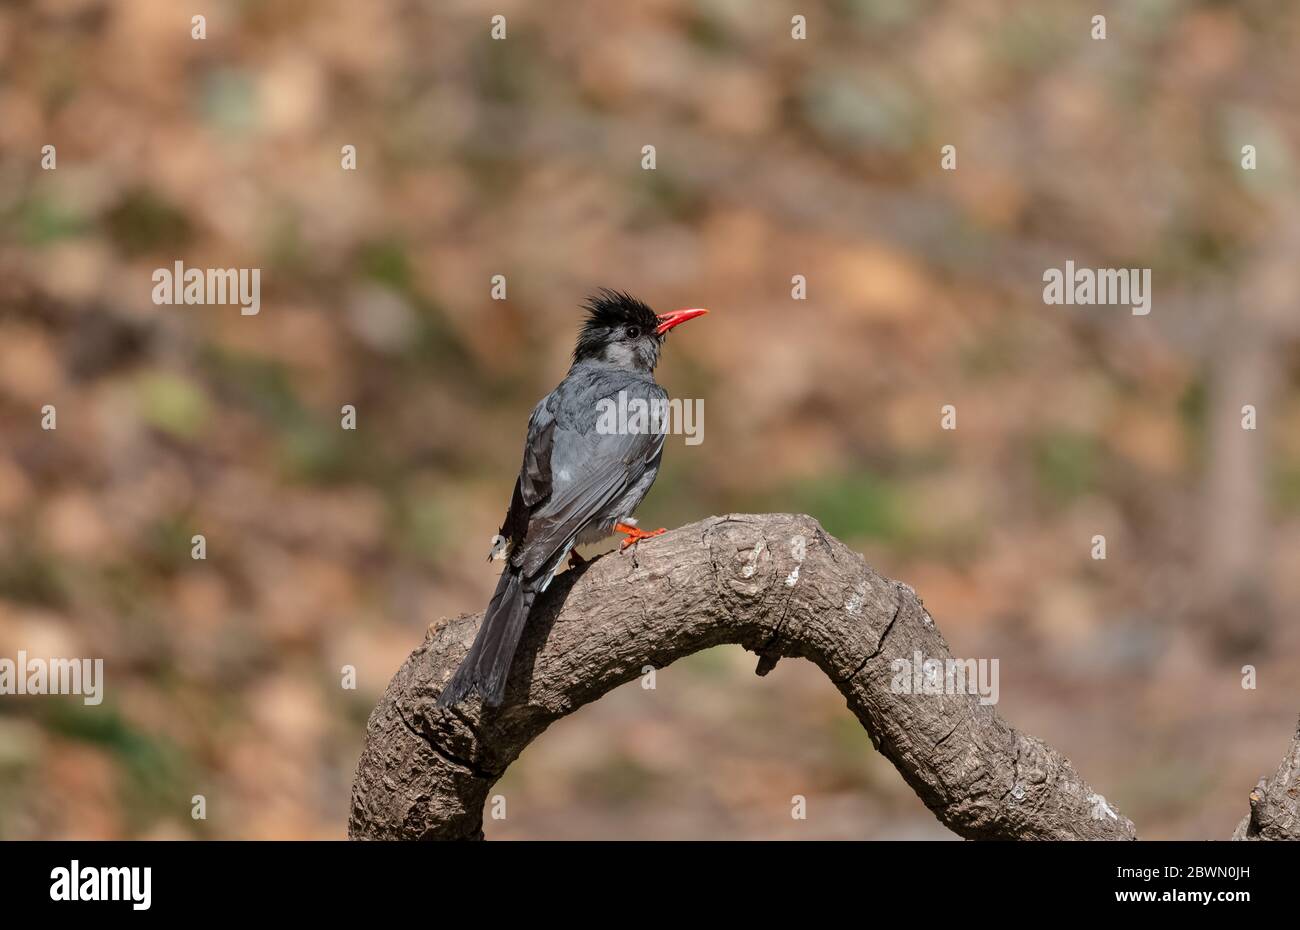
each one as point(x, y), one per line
point(590, 472)
point(534, 482)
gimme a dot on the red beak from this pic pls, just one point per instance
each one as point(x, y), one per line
point(668, 320)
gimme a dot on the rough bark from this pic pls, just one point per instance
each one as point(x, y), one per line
point(1275, 802)
point(776, 584)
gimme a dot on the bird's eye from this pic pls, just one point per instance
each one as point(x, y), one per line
point(633, 332)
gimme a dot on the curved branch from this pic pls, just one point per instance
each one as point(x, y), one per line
point(776, 584)
point(1275, 802)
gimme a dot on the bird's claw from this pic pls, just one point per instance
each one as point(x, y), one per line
point(635, 535)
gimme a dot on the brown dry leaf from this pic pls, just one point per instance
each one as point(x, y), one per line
point(30, 370)
point(73, 526)
point(1153, 438)
point(877, 282)
point(16, 491)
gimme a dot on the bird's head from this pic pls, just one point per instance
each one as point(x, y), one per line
point(624, 332)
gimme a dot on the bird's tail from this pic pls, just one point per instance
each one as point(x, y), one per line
point(487, 664)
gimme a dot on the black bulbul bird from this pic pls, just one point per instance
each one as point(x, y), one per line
point(577, 484)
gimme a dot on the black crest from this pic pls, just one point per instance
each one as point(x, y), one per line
point(610, 313)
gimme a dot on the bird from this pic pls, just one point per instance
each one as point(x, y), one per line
point(579, 482)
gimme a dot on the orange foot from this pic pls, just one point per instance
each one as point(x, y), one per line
point(635, 535)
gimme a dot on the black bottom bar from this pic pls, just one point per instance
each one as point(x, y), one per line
point(332, 880)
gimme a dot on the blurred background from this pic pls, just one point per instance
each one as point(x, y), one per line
point(522, 158)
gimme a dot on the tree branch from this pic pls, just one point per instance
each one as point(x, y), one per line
point(778, 585)
point(1275, 803)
